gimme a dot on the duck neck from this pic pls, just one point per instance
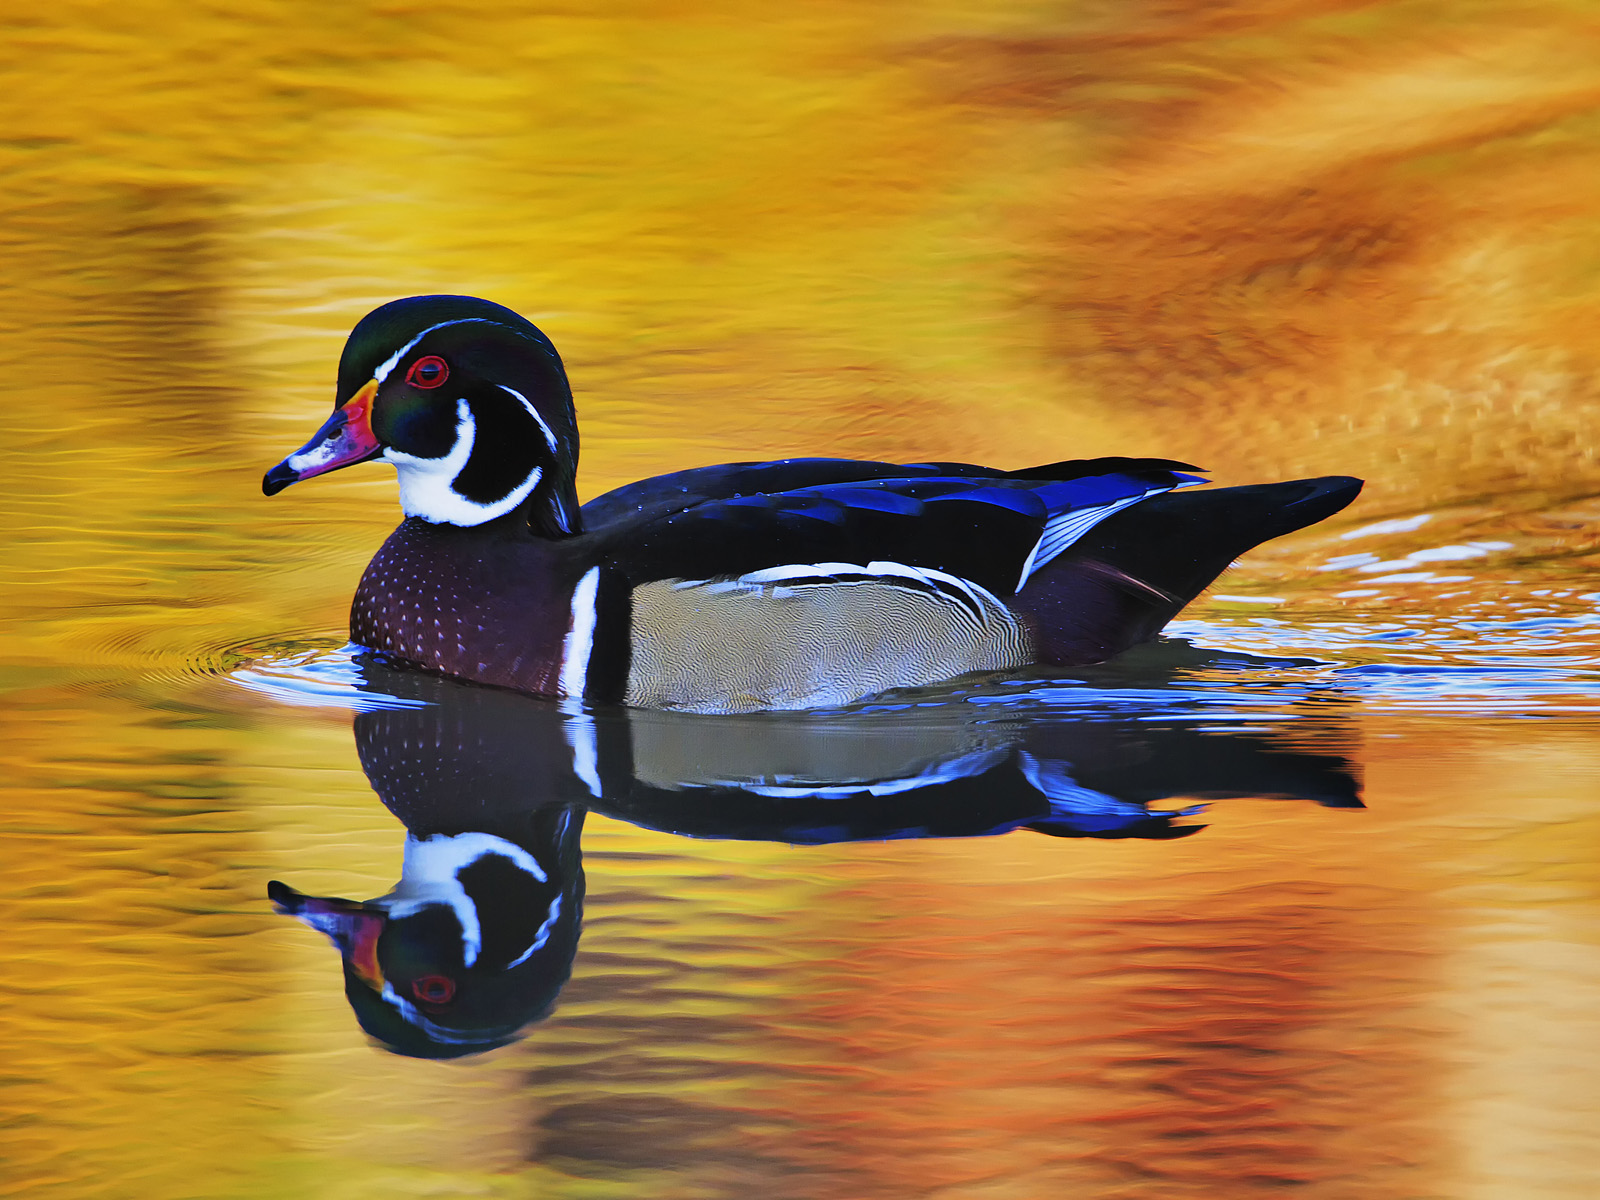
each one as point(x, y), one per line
point(508, 464)
point(552, 510)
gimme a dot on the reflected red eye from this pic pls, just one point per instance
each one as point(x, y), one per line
point(434, 989)
point(428, 372)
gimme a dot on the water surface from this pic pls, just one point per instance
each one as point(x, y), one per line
point(1275, 239)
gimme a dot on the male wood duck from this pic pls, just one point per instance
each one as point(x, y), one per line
point(791, 584)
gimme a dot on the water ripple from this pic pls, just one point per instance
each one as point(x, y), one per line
point(317, 677)
point(1211, 668)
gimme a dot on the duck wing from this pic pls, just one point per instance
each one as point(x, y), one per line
point(808, 522)
point(663, 495)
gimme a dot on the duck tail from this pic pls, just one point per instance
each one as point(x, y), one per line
point(1131, 574)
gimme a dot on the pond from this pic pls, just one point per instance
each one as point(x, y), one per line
point(1301, 897)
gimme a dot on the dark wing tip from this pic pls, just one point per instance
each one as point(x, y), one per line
point(1080, 468)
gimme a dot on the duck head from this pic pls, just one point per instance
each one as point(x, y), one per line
point(470, 403)
point(473, 944)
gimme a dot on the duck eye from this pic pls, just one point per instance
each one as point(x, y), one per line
point(428, 372)
point(434, 989)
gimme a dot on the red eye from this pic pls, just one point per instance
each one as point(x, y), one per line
point(428, 372)
point(434, 989)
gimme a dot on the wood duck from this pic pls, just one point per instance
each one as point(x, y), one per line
point(792, 584)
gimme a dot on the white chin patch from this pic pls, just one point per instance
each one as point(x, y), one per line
point(427, 484)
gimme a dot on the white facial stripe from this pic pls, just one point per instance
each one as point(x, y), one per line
point(382, 372)
point(541, 937)
point(558, 507)
point(549, 435)
point(579, 642)
point(413, 1016)
point(426, 484)
point(429, 874)
point(452, 463)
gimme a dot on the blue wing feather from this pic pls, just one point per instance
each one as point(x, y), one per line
point(992, 528)
point(1026, 501)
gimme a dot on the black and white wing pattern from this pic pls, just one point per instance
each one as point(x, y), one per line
point(990, 528)
point(877, 576)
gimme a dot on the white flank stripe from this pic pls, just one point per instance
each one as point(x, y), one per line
point(730, 585)
point(382, 372)
point(579, 642)
point(981, 596)
point(883, 567)
point(578, 729)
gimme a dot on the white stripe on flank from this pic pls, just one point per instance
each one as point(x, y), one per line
point(382, 372)
point(579, 642)
point(579, 731)
point(549, 435)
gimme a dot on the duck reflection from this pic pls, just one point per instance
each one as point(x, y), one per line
point(476, 940)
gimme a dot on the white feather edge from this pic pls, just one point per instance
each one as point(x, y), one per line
point(1062, 530)
point(826, 574)
point(1059, 533)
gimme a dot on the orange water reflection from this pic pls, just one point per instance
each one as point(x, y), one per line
point(1273, 237)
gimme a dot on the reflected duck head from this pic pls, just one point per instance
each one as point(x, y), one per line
point(472, 945)
point(468, 401)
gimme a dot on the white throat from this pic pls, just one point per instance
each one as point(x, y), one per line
point(427, 485)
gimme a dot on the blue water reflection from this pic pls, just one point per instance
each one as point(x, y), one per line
point(1468, 661)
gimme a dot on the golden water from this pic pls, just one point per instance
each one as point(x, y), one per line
point(1277, 238)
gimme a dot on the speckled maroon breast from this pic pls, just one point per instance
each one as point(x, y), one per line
point(474, 607)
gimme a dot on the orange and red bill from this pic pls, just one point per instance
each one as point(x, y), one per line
point(345, 438)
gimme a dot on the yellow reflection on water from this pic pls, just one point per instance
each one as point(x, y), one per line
point(1291, 236)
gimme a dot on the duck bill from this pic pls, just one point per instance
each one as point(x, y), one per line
point(345, 438)
point(351, 926)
